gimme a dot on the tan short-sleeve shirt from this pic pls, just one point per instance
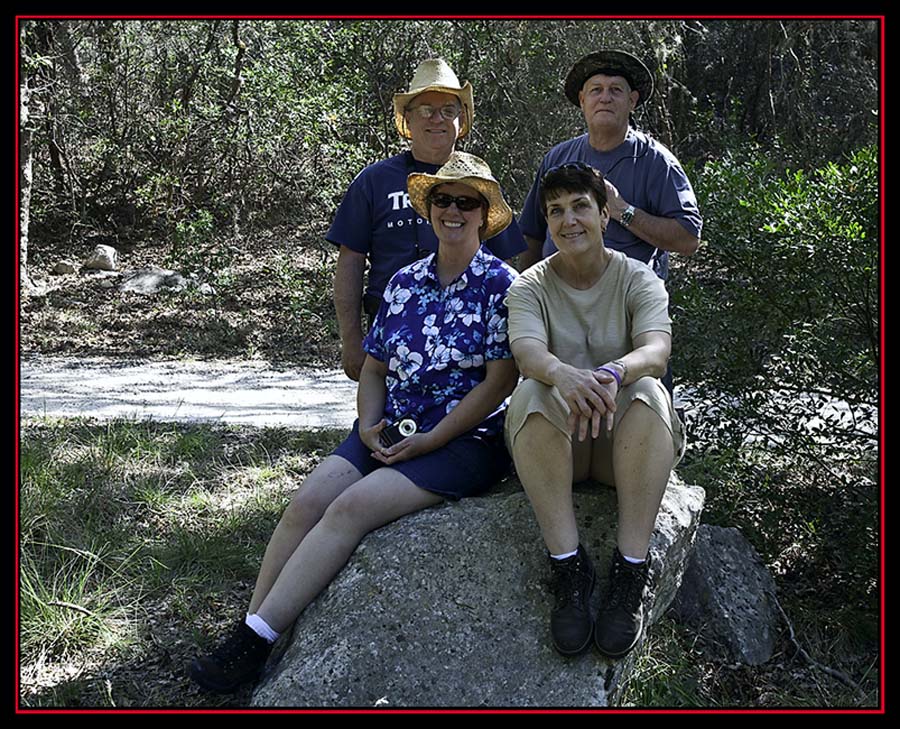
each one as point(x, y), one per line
point(586, 328)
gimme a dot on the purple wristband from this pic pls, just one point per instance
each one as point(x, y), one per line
point(611, 371)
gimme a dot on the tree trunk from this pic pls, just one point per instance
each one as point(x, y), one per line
point(25, 179)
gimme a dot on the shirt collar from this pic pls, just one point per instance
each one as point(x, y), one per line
point(481, 257)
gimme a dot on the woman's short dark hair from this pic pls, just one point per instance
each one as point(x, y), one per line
point(572, 177)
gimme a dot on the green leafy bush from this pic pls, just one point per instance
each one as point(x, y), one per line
point(140, 124)
point(783, 297)
point(777, 322)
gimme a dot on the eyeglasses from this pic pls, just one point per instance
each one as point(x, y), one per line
point(448, 112)
point(462, 202)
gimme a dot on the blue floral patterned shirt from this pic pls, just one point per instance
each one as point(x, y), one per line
point(436, 341)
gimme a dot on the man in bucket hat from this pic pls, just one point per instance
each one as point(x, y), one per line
point(376, 221)
point(652, 206)
point(650, 209)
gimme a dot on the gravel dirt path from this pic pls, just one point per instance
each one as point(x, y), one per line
point(243, 392)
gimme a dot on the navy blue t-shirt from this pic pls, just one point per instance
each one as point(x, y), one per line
point(646, 174)
point(376, 218)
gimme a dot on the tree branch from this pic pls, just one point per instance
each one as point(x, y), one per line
point(840, 676)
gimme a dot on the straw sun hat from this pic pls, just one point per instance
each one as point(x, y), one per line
point(435, 75)
point(468, 170)
point(615, 63)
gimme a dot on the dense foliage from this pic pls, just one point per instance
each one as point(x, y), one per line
point(777, 337)
point(231, 125)
point(784, 296)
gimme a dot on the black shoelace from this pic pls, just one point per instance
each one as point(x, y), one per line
point(570, 583)
point(235, 648)
point(626, 586)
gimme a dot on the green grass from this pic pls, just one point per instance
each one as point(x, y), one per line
point(127, 525)
point(140, 539)
point(816, 527)
point(676, 670)
point(668, 672)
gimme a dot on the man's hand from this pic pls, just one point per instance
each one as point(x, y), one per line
point(352, 357)
point(348, 293)
point(530, 255)
point(614, 200)
point(667, 234)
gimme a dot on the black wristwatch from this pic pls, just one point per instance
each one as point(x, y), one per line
point(627, 216)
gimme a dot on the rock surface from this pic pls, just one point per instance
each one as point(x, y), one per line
point(728, 594)
point(103, 258)
point(64, 267)
point(449, 608)
point(151, 279)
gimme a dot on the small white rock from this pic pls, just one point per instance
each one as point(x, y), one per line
point(64, 267)
point(104, 258)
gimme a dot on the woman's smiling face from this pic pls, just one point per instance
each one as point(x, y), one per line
point(451, 223)
point(575, 221)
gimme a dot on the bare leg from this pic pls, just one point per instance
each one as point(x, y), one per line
point(642, 461)
point(376, 500)
point(327, 481)
point(543, 458)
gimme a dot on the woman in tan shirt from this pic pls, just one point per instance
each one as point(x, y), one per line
point(590, 332)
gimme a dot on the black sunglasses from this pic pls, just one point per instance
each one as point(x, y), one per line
point(462, 202)
point(576, 166)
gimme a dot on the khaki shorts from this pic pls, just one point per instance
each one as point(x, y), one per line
point(532, 396)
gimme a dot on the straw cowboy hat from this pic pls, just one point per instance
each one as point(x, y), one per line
point(611, 63)
point(468, 170)
point(434, 75)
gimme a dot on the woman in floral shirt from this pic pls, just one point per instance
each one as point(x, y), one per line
point(438, 354)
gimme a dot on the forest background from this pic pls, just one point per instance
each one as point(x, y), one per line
point(221, 148)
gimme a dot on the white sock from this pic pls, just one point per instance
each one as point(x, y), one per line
point(633, 560)
point(564, 556)
point(261, 628)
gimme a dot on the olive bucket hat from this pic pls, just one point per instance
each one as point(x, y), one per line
point(611, 63)
point(434, 74)
point(469, 170)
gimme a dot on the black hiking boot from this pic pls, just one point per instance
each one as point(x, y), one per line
point(236, 660)
point(621, 615)
point(572, 581)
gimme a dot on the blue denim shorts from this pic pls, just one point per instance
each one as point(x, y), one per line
point(467, 466)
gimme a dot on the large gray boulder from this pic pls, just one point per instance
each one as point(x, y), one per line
point(728, 595)
point(449, 607)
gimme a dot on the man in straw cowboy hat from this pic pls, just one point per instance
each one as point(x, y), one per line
point(376, 221)
point(437, 357)
point(652, 206)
